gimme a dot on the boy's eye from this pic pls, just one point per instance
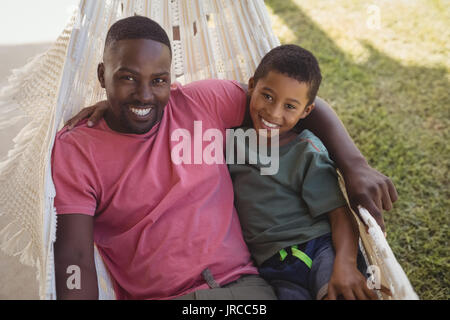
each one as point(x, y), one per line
point(290, 106)
point(267, 97)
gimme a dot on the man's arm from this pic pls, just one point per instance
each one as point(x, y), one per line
point(346, 279)
point(74, 246)
point(365, 186)
point(326, 125)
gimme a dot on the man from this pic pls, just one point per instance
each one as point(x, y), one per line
point(163, 230)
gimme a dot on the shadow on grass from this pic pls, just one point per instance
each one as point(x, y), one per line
point(398, 116)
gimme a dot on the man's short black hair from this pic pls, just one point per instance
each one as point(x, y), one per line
point(295, 62)
point(137, 27)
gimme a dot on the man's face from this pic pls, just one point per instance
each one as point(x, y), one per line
point(136, 76)
point(278, 102)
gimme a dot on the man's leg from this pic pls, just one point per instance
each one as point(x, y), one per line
point(247, 287)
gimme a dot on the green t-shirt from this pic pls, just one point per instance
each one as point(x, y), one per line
point(289, 207)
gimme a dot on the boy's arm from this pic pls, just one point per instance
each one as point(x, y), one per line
point(365, 186)
point(74, 246)
point(346, 280)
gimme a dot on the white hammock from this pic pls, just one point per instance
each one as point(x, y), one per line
point(211, 39)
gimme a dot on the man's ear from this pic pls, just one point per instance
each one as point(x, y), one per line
point(101, 74)
point(308, 110)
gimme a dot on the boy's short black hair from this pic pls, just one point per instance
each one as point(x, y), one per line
point(295, 62)
point(137, 27)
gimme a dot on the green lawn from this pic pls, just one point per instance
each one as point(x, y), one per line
point(390, 87)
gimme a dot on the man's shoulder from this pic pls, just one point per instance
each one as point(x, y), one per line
point(83, 146)
point(212, 83)
point(212, 86)
point(221, 101)
point(81, 135)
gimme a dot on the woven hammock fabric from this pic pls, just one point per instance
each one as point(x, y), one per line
point(223, 39)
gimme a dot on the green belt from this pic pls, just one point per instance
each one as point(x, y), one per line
point(296, 253)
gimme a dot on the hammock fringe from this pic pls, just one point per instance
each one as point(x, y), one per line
point(17, 244)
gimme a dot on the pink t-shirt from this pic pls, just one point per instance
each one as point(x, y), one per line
point(158, 225)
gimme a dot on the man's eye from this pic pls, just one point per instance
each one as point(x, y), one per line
point(129, 78)
point(158, 81)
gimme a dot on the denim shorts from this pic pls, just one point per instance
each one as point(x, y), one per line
point(293, 279)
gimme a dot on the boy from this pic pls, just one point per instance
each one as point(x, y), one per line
point(285, 222)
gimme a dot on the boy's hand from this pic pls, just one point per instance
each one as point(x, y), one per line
point(370, 189)
point(348, 283)
point(94, 113)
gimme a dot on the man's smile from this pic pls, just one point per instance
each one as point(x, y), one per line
point(142, 113)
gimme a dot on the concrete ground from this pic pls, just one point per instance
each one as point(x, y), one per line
point(16, 280)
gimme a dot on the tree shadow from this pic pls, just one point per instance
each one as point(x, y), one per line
point(399, 118)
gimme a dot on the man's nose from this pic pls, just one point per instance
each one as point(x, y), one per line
point(145, 93)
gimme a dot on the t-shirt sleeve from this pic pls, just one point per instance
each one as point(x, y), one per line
point(73, 177)
point(320, 188)
point(225, 100)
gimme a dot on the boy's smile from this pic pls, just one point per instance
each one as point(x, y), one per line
point(136, 76)
point(278, 102)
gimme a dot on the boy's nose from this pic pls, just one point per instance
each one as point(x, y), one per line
point(275, 112)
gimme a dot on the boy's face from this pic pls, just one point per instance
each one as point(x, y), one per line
point(278, 102)
point(136, 76)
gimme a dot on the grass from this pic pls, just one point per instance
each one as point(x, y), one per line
point(390, 87)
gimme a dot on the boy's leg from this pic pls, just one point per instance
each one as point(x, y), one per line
point(288, 276)
point(305, 271)
point(322, 266)
point(323, 256)
point(288, 290)
point(247, 287)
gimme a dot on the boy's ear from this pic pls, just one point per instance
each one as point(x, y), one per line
point(251, 85)
point(101, 74)
point(308, 110)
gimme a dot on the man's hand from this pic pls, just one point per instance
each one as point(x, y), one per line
point(94, 113)
point(348, 283)
point(370, 189)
